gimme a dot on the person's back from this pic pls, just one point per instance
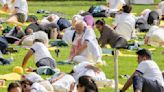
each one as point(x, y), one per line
point(41, 51)
point(22, 5)
point(151, 71)
point(126, 17)
point(111, 36)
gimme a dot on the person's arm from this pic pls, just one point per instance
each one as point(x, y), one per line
point(103, 40)
point(130, 81)
point(26, 58)
point(57, 78)
point(94, 68)
point(82, 48)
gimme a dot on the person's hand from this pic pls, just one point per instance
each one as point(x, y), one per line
point(53, 80)
point(95, 69)
point(72, 87)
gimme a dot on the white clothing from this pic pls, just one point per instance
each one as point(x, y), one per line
point(145, 14)
point(40, 51)
point(161, 7)
point(22, 7)
point(3, 2)
point(125, 25)
point(33, 77)
point(67, 37)
point(63, 84)
point(116, 4)
point(93, 52)
point(81, 70)
point(151, 71)
point(36, 87)
point(55, 19)
point(155, 36)
point(28, 41)
point(47, 85)
point(125, 17)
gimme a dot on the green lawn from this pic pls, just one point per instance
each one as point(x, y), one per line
point(126, 64)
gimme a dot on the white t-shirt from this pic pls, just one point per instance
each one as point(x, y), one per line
point(125, 17)
point(150, 70)
point(3, 2)
point(161, 6)
point(116, 4)
point(155, 36)
point(22, 5)
point(40, 51)
point(36, 87)
point(81, 70)
point(67, 37)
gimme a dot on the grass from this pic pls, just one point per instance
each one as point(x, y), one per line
point(126, 64)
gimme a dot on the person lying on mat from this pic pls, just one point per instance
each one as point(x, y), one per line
point(85, 84)
point(41, 53)
point(14, 87)
point(147, 77)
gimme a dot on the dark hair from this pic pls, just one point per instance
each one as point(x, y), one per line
point(13, 85)
point(38, 40)
point(100, 22)
point(144, 52)
point(88, 83)
point(127, 8)
point(153, 15)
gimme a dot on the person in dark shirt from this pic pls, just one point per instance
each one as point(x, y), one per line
point(108, 36)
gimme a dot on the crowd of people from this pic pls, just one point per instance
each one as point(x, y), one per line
point(86, 48)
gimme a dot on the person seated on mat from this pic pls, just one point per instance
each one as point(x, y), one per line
point(19, 12)
point(17, 32)
point(85, 84)
point(15, 35)
point(41, 53)
point(109, 36)
point(85, 46)
point(68, 34)
point(147, 77)
point(155, 35)
point(127, 20)
point(14, 87)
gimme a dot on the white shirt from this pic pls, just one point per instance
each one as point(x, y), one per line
point(81, 70)
point(36, 87)
point(155, 36)
point(125, 17)
point(115, 4)
point(151, 71)
point(40, 51)
point(161, 6)
point(3, 2)
point(67, 37)
point(22, 6)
